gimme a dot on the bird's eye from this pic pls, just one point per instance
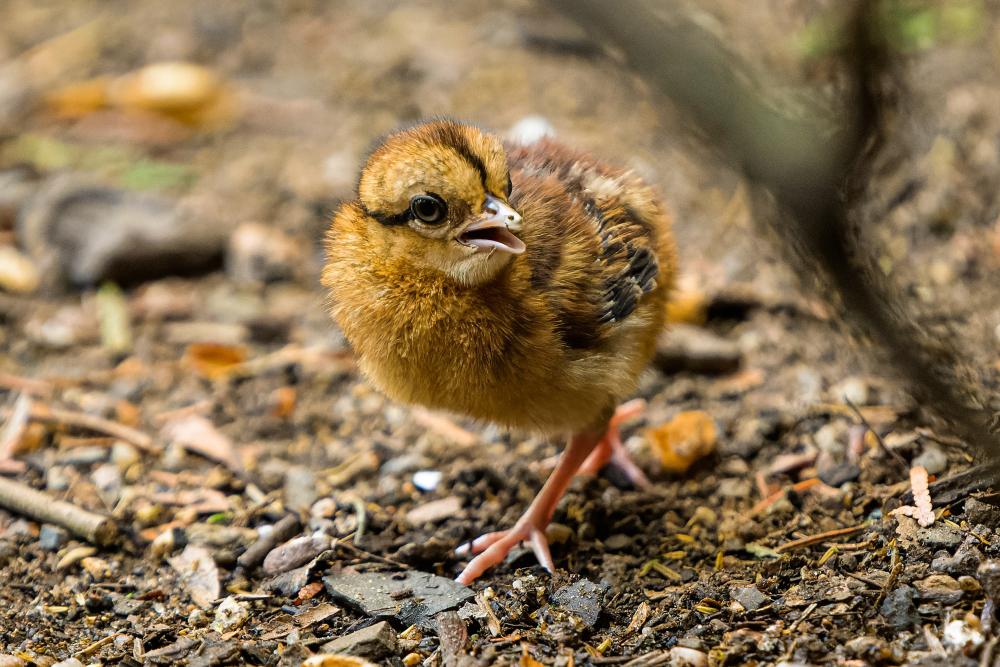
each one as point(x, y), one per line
point(510, 185)
point(429, 209)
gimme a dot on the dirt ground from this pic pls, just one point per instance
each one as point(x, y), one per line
point(166, 358)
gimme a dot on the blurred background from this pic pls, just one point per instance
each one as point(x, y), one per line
point(167, 172)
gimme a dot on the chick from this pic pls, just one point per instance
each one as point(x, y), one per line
point(519, 285)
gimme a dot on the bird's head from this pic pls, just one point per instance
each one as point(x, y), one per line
point(439, 192)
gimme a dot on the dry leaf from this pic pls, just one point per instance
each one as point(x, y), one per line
point(683, 440)
point(198, 574)
point(197, 434)
point(214, 360)
point(527, 660)
point(335, 660)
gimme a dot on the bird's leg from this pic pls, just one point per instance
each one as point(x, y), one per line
point(494, 547)
point(610, 448)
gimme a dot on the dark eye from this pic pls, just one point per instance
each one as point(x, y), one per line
point(429, 208)
point(510, 185)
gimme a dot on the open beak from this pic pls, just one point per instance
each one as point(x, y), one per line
point(492, 230)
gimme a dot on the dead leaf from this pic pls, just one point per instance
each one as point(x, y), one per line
point(198, 573)
point(335, 660)
point(683, 440)
point(526, 659)
point(197, 434)
point(214, 360)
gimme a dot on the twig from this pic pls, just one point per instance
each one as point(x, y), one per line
point(23, 499)
point(805, 614)
point(58, 416)
point(96, 646)
point(819, 537)
point(282, 531)
point(878, 438)
point(25, 385)
point(358, 551)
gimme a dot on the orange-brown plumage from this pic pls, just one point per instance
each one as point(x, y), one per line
point(549, 340)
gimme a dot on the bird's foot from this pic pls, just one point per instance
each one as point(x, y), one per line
point(492, 548)
point(611, 449)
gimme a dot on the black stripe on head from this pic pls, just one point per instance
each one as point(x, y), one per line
point(452, 136)
point(388, 219)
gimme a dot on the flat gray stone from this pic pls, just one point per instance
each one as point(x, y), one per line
point(749, 597)
point(583, 598)
point(409, 597)
point(374, 642)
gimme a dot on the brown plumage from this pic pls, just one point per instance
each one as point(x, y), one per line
point(540, 321)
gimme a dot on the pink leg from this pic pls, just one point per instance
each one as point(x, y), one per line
point(610, 448)
point(494, 547)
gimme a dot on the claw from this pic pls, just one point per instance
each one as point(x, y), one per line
point(494, 547)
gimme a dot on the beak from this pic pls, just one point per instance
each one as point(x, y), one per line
point(492, 230)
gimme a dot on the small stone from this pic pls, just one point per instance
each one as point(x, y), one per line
point(617, 542)
point(88, 233)
point(83, 456)
point(853, 389)
point(7, 660)
point(940, 536)
point(98, 568)
point(981, 512)
point(965, 560)
point(295, 553)
point(57, 478)
point(681, 656)
point(898, 608)
point(434, 511)
point(18, 273)
point(52, 538)
point(69, 662)
point(427, 480)
point(839, 473)
point(932, 458)
point(988, 575)
point(230, 615)
point(375, 642)
point(124, 455)
point(750, 597)
point(378, 594)
point(939, 588)
point(300, 488)
point(324, 508)
point(687, 348)
point(259, 253)
point(583, 599)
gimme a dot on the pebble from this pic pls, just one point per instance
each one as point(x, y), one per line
point(375, 642)
point(988, 574)
point(324, 508)
point(981, 512)
point(940, 536)
point(124, 455)
point(57, 478)
point(18, 272)
point(378, 594)
point(52, 538)
point(898, 608)
point(750, 597)
point(965, 560)
point(681, 656)
point(853, 389)
point(427, 480)
point(69, 662)
point(838, 474)
point(434, 511)
point(582, 598)
point(617, 542)
point(86, 233)
point(259, 254)
point(300, 488)
point(933, 458)
point(98, 568)
point(83, 456)
point(939, 588)
point(230, 615)
point(687, 348)
point(7, 660)
point(295, 553)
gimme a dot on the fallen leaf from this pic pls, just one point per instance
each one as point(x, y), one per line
point(198, 573)
point(685, 439)
point(214, 360)
point(197, 434)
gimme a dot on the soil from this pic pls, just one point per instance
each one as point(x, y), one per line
point(245, 405)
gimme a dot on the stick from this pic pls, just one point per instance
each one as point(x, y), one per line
point(58, 416)
point(283, 531)
point(820, 537)
point(22, 499)
point(878, 438)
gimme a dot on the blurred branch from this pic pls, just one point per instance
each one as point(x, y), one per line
point(815, 172)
